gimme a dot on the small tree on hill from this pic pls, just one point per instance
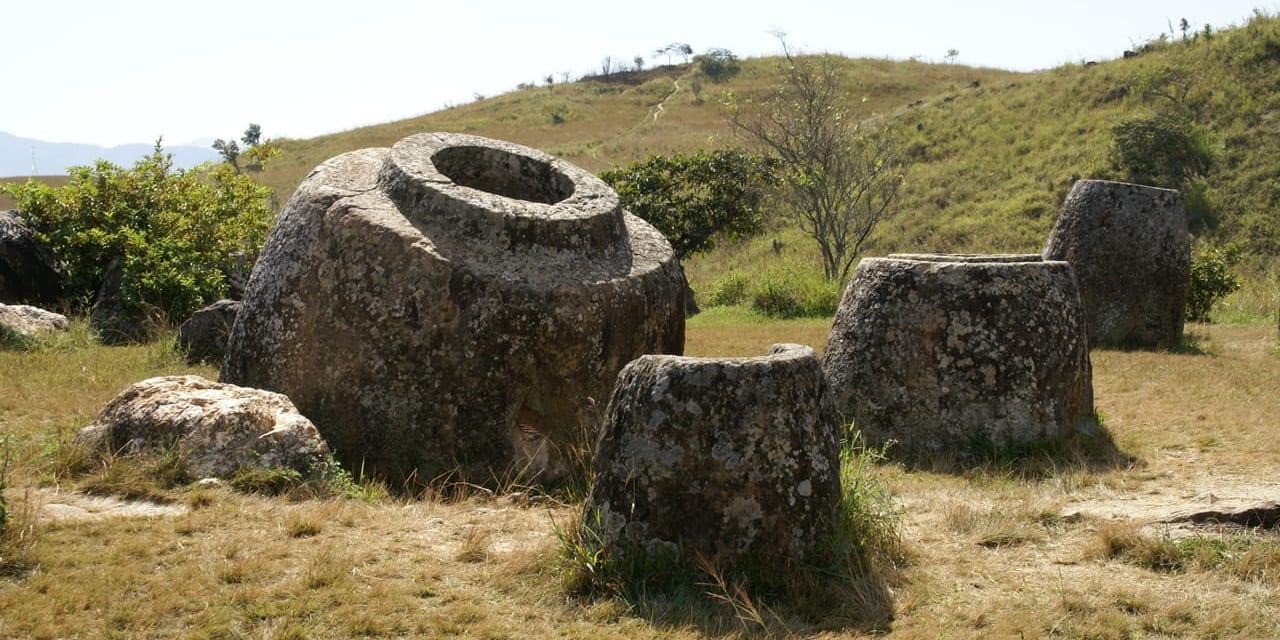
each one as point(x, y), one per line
point(230, 151)
point(1170, 146)
point(717, 64)
point(840, 175)
point(695, 199)
point(252, 135)
point(674, 49)
point(257, 151)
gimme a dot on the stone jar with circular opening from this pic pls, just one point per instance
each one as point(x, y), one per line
point(453, 306)
point(726, 458)
point(1131, 252)
point(960, 355)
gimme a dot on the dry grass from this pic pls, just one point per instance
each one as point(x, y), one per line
point(1068, 551)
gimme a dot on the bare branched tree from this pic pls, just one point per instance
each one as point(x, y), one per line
point(841, 174)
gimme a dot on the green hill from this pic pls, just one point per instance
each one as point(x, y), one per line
point(994, 152)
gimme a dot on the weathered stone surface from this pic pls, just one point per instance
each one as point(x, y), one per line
point(28, 272)
point(108, 319)
point(203, 337)
point(1131, 253)
point(453, 304)
point(30, 322)
point(219, 429)
point(960, 354)
point(719, 457)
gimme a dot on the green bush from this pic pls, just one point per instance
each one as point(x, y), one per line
point(175, 232)
point(1163, 150)
point(779, 293)
point(718, 64)
point(730, 290)
point(1211, 280)
point(789, 293)
point(696, 199)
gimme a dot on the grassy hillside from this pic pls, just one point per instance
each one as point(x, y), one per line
point(994, 152)
point(600, 122)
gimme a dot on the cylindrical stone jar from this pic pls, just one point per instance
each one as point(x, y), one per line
point(960, 356)
point(453, 305)
point(720, 457)
point(1131, 252)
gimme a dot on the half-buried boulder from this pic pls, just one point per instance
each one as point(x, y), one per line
point(724, 459)
point(203, 337)
point(453, 304)
point(961, 355)
point(219, 430)
point(28, 272)
point(22, 325)
point(1131, 253)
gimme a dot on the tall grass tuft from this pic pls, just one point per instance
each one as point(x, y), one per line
point(780, 293)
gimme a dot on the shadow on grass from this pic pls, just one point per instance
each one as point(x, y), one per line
point(1090, 449)
point(1191, 344)
point(725, 604)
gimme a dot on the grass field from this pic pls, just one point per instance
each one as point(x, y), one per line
point(1070, 546)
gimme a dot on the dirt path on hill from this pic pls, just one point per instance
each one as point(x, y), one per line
point(657, 111)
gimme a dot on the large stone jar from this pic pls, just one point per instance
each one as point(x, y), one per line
point(960, 356)
point(723, 458)
point(453, 305)
point(1131, 252)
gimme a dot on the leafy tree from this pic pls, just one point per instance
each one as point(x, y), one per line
point(1166, 149)
point(230, 151)
point(639, 60)
point(695, 199)
point(252, 135)
point(840, 176)
point(674, 49)
point(717, 64)
point(174, 232)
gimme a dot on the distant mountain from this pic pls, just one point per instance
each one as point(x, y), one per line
point(53, 158)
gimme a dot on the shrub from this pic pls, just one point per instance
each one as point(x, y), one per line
point(789, 293)
point(779, 293)
point(1163, 150)
point(696, 199)
point(717, 64)
point(1211, 280)
point(730, 290)
point(174, 232)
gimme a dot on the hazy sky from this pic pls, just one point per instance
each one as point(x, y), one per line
point(130, 71)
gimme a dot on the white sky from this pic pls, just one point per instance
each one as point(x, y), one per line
point(128, 71)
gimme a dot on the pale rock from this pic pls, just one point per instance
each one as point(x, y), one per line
point(218, 429)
